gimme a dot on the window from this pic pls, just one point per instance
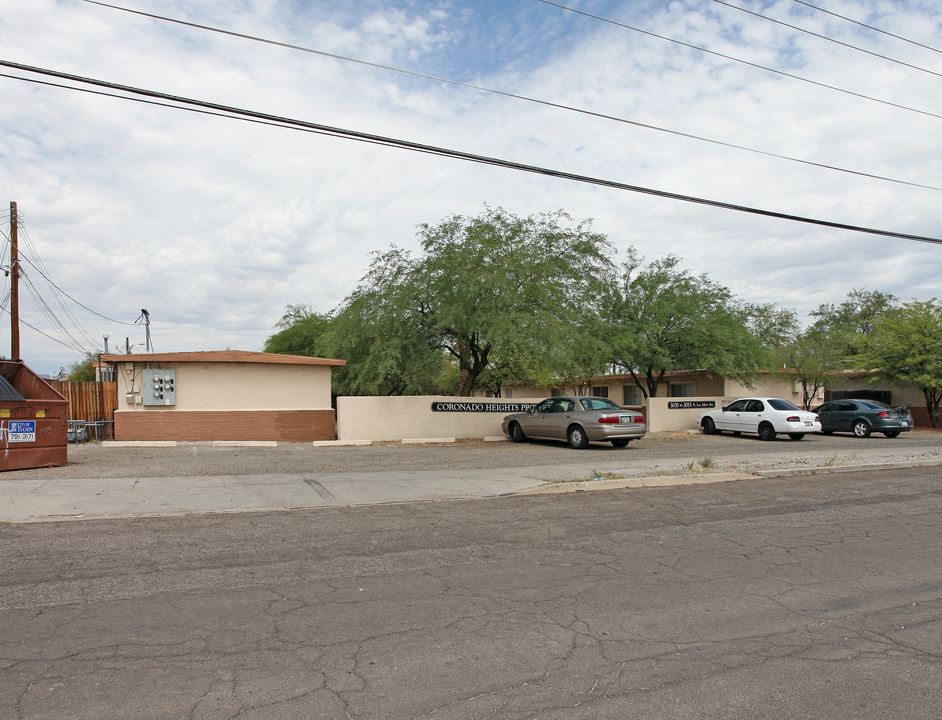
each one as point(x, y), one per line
point(683, 389)
point(633, 395)
point(600, 391)
point(556, 392)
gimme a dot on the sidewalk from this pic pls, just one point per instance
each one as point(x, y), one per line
point(46, 500)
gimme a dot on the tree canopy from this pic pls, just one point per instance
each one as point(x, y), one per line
point(905, 347)
point(499, 299)
point(84, 369)
point(496, 294)
point(663, 317)
point(813, 354)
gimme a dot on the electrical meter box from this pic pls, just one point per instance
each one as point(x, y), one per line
point(158, 387)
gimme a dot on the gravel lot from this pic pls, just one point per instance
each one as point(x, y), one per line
point(657, 454)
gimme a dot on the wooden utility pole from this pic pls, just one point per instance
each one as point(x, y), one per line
point(14, 286)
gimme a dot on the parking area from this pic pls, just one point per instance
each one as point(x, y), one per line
point(94, 460)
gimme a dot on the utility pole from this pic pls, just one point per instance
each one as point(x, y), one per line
point(14, 286)
point(148, 347)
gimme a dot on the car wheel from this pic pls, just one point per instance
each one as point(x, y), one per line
point(892, 433)
point(516, 433)
point(766, 431)
point(620, 443)
point(709, 427)
point(796, 436)
point(861, 429)
point(578, 440)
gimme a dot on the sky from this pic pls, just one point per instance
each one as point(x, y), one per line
point(216, 225)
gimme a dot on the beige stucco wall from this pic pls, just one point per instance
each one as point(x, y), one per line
point(705, 385)
point(232, 386)
point(769, 386)
point(910, 395)
point(661, 418)
point(391, 419)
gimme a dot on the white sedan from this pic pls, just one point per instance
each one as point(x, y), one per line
point(765, 416)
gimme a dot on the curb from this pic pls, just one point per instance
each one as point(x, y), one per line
point(651, 481)
point(825, 470)
point(635, 483)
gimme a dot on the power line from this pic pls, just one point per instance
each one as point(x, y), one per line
point(184, 103)
point(829, 39)
point(546, 103)
point(46, 277)
point(6, 312)
point(27, 248)
point(869, 27)
point(743, 62)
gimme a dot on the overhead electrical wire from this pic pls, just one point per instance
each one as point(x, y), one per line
point(27, 252)
point(6, 312)
point(868, 27)
point(741, 61)
point(185, 103)
point(829, 39)
point(515, 96)
point(42, 271)
point(50, 315)
point(27, 246)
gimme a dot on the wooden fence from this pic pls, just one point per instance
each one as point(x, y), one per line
point(93, 402)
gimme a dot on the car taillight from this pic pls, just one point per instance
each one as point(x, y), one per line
point(617, 419)
point(817, 418)
point(884, 414)
point(793, 418)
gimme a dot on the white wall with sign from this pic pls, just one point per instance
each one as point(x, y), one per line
point(392, 419)
point(672, 414)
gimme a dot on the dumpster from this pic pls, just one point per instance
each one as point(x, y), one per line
point(33, 420)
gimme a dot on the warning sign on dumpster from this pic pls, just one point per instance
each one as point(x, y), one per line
point(22, 431)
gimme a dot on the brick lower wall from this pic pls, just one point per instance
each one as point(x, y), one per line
point(197, 426)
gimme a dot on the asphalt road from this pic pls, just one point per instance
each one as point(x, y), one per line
point(811, 597)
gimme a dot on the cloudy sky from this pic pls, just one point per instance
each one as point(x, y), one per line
point(215, 225)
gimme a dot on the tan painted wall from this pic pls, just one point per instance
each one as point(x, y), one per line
point(233, 386)
point(391, 419)
point(769, 386)
point(661, 418)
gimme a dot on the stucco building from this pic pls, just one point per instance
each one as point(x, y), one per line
point(223, 395)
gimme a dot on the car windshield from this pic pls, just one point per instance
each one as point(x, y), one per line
point(597, 403)
point(782, 404)
point(874, 404)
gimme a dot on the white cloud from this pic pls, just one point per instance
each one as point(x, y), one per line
point(215, 225)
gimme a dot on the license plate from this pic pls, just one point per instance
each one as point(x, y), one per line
point(626, 418)
point(807, 423)
point(904, 423)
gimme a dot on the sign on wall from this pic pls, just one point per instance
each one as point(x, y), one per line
point(504, 407)
point(690, 404)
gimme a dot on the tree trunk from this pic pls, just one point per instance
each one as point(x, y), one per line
point(933, 399)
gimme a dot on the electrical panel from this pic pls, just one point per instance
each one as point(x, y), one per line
point(158, 387)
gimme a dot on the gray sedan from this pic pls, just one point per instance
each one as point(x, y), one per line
point(862, 417)
point(576, 420)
